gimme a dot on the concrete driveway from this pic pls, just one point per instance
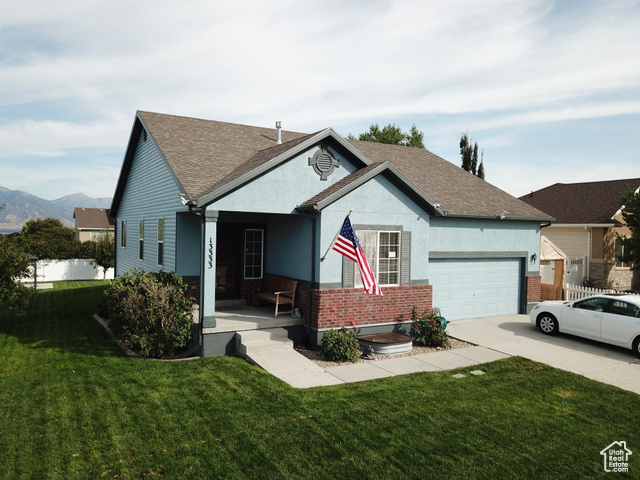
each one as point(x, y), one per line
point(514, 335)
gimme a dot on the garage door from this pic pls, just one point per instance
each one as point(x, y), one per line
point(471, 288)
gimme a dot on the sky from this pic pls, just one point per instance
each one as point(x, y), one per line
point(550, 90)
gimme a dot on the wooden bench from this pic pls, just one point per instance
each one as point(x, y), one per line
point(279, 291)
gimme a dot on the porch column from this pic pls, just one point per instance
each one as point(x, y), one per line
point(208, 275)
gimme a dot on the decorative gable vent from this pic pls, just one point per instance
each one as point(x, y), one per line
point(323, 162)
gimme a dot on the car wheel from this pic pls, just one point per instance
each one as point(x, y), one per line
point(548, 323)
point(636, 346)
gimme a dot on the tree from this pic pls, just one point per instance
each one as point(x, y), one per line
point(104, 252)
point(469, 155)
point(630, 201)
point(14, 265)
point(392, 135)
point(47, 238)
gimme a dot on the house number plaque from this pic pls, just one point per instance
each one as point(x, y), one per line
point(210, 252)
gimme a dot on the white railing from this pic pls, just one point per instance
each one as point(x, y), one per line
point(575, 292)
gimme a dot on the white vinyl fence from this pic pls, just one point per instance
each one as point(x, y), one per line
point(576, 270)
point(73, 269)
point(575, 292)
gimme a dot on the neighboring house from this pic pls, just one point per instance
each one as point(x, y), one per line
point(93, 223)
point(587, 220)
point(227, 205)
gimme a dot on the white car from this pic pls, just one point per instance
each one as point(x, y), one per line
point(613, 319)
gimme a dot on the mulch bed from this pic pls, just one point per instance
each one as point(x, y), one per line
point(316, 356)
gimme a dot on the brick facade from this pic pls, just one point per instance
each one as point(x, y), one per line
point(337, 308)
point(534, 291)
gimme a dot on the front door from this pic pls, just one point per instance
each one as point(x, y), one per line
point(229, 261)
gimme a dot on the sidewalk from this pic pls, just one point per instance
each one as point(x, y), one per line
point(304, 377)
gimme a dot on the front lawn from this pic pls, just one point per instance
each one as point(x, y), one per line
point(72, 406)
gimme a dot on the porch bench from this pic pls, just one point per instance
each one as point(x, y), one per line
point(279, 291)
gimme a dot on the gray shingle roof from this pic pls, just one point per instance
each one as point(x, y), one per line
point(581, 203)
point(206, 155)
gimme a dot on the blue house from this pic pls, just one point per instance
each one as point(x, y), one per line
point(227, 205)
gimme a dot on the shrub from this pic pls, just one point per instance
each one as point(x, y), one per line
point(428, 329)
point(340, 346)
point(151, 312)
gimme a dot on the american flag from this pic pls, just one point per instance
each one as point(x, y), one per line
point(348, 245)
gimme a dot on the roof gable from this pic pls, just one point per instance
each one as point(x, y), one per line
point(581, 203)
point(268, 159)
point(363, 175)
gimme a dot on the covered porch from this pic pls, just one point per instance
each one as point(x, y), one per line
point(236, 316)
point(233, 316)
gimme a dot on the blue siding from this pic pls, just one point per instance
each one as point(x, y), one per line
point(151, 192)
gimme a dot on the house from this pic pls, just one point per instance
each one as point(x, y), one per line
point(588, 218)
point(92, 224)
point(226, 205)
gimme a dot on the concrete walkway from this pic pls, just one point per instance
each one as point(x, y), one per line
point(300, 372)
point(495, 338)
point(515, 335)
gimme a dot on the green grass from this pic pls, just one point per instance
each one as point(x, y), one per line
point(72, 406)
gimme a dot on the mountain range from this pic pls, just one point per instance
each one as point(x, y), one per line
point(20, 207)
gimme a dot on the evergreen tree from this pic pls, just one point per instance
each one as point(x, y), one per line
point(481, 166)
point(469, 155)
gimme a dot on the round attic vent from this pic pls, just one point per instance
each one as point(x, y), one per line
point(323, 163)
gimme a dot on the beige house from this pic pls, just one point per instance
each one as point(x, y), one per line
point(588, 217)
point(92, 223)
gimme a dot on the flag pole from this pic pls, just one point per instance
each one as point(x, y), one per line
point(334, 239)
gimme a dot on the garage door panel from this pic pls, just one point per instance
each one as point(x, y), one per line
point(476, 288)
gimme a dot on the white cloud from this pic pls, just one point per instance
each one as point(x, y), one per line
point(73, 73)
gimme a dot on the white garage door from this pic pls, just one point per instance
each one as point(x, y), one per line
point(471, 288)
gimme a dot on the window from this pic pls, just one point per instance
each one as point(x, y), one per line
point(547, 271)
point(161, 241)
point(253, 252)
point(382, 249)
point(141, 237)
point(621, 251)
point(123, 234)
point(619, 307)
point(597, 304)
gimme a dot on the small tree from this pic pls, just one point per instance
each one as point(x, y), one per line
point(630, 200)
point(104, 254)
point(392, 135)
point(14, 265)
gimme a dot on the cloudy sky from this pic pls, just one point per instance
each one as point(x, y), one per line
point(550, 90)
